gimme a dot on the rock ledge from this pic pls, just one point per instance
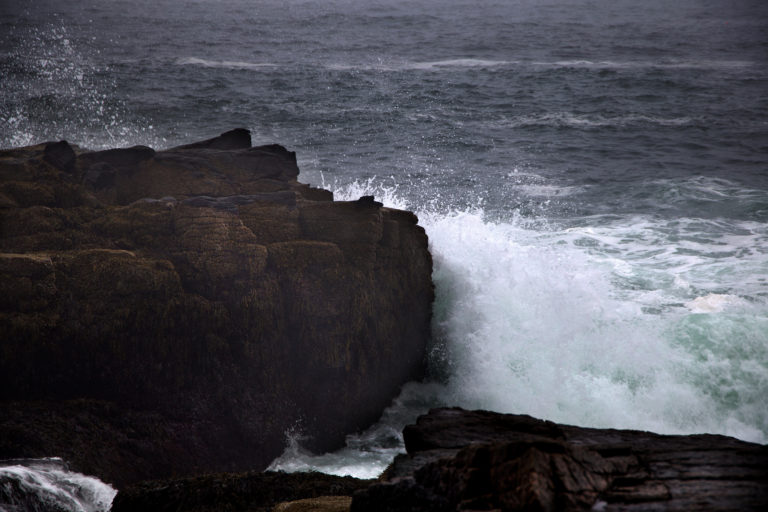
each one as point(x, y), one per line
point(479, 460)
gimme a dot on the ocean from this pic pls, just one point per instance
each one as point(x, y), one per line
point(592, 175)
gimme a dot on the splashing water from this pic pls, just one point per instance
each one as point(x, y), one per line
point(32, 485)
point(546, 324)
point(623, 322)
point(54, 88)
point(368, 453)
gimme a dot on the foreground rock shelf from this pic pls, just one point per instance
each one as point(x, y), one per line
point(174, 312)
point(478, 460)
point(241, 492)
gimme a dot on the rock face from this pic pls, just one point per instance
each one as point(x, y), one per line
point(170, 312)
point(478, 460)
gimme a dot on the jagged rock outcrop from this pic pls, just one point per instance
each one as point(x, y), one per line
point(171, 312)
point(479, 460)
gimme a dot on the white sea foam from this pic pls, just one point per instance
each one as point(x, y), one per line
point(582, 346)
point(435, 65)
point(47, 483)
point(457, 63)
point(570, 119)
point(367, 453)
point(712, 303)
point(664, 64)
point(597, 325)
point(538, 190)
point(575, 63)
point(226, 64)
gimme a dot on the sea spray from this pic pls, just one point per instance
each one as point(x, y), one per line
point(55, 87)
point(366, 453)
point(606, 321)
point(542, 323)
point(32, 485)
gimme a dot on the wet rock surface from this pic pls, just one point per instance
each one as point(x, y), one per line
point(165, 313)
point(479, 460)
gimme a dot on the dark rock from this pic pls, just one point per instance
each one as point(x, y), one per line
point(368, 202)
point(245, 492)
point(117, 158)
point(239, 138)
point(276, 149)
point(41, 175)
point(478, 460)
point(174, 312)
point(100, 176)
point(60, 155)
point(233, 203)
point(188, 172)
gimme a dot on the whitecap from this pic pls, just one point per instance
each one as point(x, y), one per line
point(457, 63)
point(608, 64)
point(548, 190)
point(225, 64)
point(570, 119)
point(436, 65)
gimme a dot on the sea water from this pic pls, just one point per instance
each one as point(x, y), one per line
point(40, 485)
point(592, 175)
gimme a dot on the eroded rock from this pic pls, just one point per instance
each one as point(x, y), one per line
point(202, 287)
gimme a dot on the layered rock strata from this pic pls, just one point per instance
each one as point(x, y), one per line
point(170, 312)
point(479, 460)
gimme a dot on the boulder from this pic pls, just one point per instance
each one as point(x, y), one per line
point(479, 460)
point(170, 312)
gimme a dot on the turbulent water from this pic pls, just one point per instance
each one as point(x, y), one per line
point(592, 174)
point(47, 485)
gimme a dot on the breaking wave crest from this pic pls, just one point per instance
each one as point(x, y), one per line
point(623, 322)
point(226, 64)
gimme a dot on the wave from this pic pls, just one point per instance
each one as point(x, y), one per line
point(225, 64)
point(619, 322)
point(607, 64)
point(368, 453)
point(436, 65)
point(459, 63)
point(543, 190)
point(573, 120)
point(601, 326)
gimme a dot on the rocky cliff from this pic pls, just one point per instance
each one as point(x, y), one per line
point(171, 312)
